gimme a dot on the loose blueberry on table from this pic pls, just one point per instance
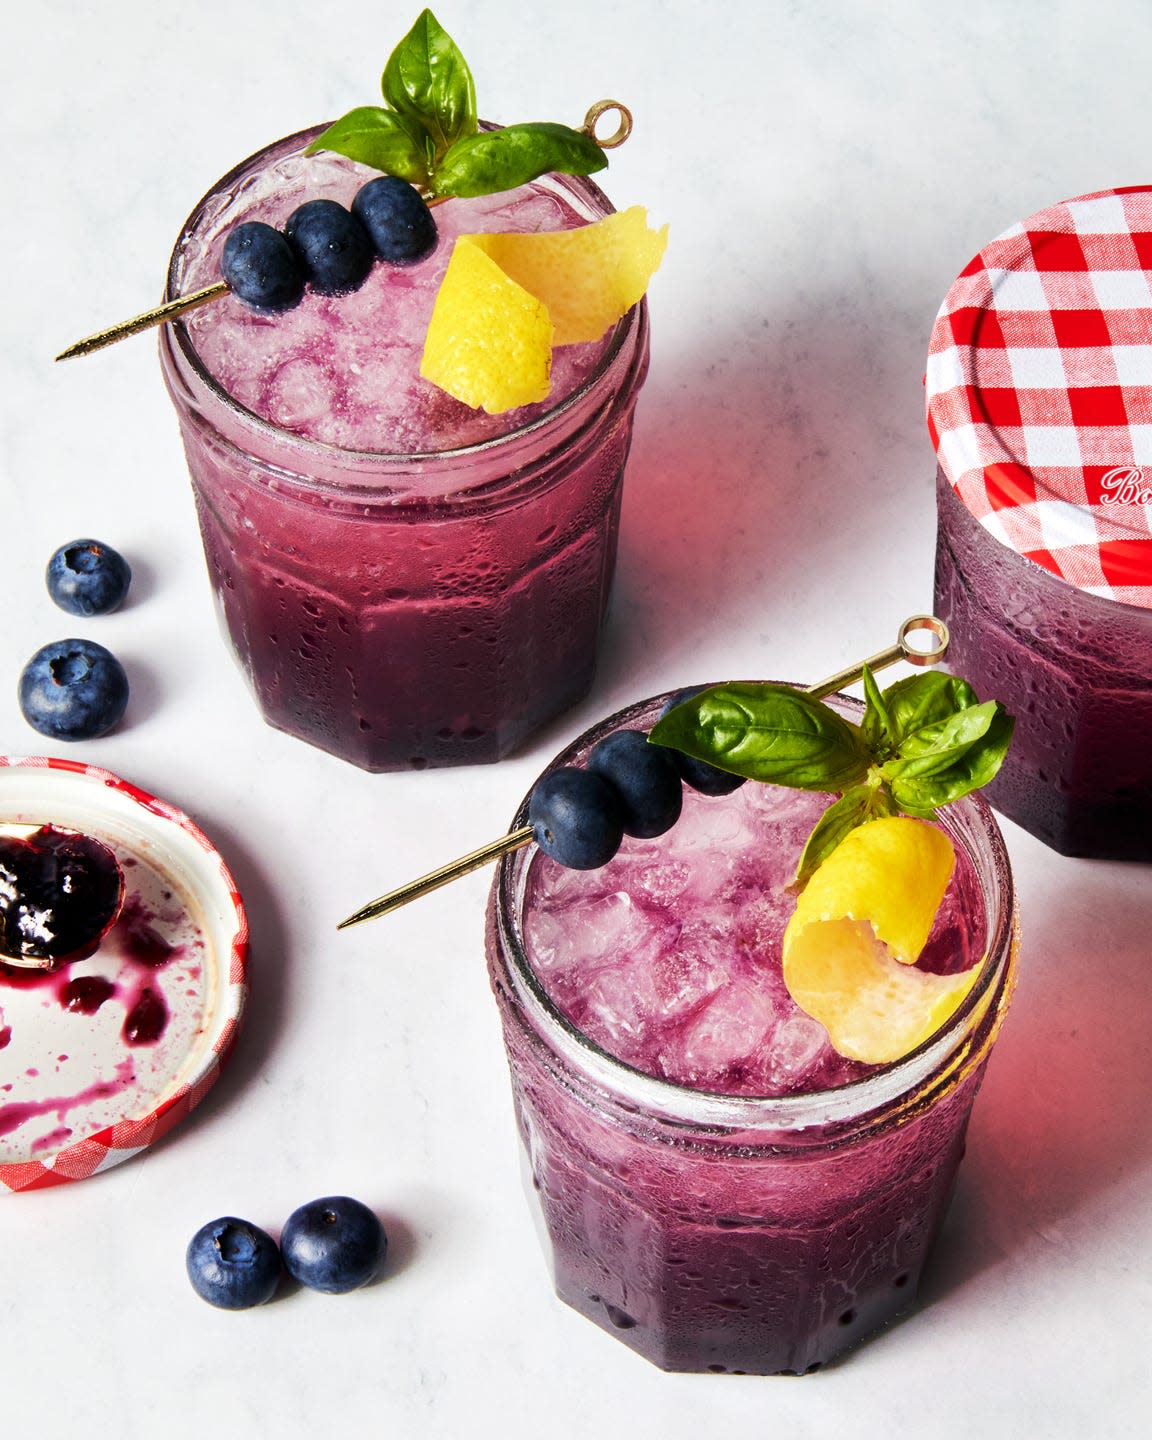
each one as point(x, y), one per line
point(73, 690)
point(335, 1244)
point(60, 893)
point(87, 577)
point(233, 1264)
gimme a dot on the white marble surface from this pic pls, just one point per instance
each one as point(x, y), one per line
point(826, 169)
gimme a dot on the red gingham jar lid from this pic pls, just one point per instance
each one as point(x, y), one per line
point(1039, 386)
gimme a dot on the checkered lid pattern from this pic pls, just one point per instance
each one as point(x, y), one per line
point(154, 1115)
point(1039, 389)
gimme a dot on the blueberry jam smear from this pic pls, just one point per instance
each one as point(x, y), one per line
point(147, 1019)
point(59, 894)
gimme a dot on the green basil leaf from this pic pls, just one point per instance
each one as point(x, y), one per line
point(767, 732)
point(378, 138)
point(936, 747)
point(427, 77)
point(494, 160)
point(877, 723)
point(855, 807)
point(924, 699)
point(919, 785)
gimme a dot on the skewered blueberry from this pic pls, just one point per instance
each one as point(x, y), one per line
point(87, 577)
point(59, 895)
point(334, 1245)
point(332, 245)
point(233, 1264)
point(708, 779)
point(576, 818)
point(645, 779)
point(261, 267)
point(396, 217)
point(73, 690)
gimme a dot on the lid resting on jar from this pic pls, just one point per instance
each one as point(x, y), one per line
point(1039, 387)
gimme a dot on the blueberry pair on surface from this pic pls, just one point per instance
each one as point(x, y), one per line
point(75, 689)
point(327, 246)
point(579, 817)
point(334, 1244)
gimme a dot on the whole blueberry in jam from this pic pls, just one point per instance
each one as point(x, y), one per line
point(87, 577)
point(397, 218)
point(233, 1264)
point(334, 1244)
point(60, 892)
point(73, 690)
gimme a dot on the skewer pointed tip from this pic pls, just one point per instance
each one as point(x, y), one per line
point(170, 310)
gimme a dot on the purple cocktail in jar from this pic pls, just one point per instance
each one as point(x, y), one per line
point(720, 1188)
point(405, 581)
point(1040, 406)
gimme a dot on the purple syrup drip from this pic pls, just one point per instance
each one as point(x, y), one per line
point(147, 1019)
point(142, 944)
point(53, 1138)
point(85, 994)
point(15, 1115)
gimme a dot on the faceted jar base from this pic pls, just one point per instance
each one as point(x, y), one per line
point(741, 1295)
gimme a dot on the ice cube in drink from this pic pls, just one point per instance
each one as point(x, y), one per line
point(720, 1188)
point(405, 581)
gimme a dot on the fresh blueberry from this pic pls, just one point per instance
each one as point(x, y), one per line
point(261, 267)
point(396, 217)
point(87, 577)
point(233, 1264)
point(576, 818)
point(708, 779)
point(332, 245)
point(645, 780)
point(73, 690)
point(334, 1244)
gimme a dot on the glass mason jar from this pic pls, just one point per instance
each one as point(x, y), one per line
point(1076, 671)
point(409, 610)
point(734, 1233)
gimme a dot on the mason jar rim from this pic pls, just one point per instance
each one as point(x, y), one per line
point(306, 445)
point(895, 1086)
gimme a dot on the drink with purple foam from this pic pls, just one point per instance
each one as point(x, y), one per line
point(405, 581)
point(720, 1189)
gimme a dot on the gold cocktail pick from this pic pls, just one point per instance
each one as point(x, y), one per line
point(173, 309)
point(170, 310)
point(517, 839)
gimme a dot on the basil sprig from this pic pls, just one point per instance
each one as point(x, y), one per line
point(427, 132)
point(922, 743)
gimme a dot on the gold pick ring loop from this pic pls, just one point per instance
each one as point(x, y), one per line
point(935, 626)
point(601, 108)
